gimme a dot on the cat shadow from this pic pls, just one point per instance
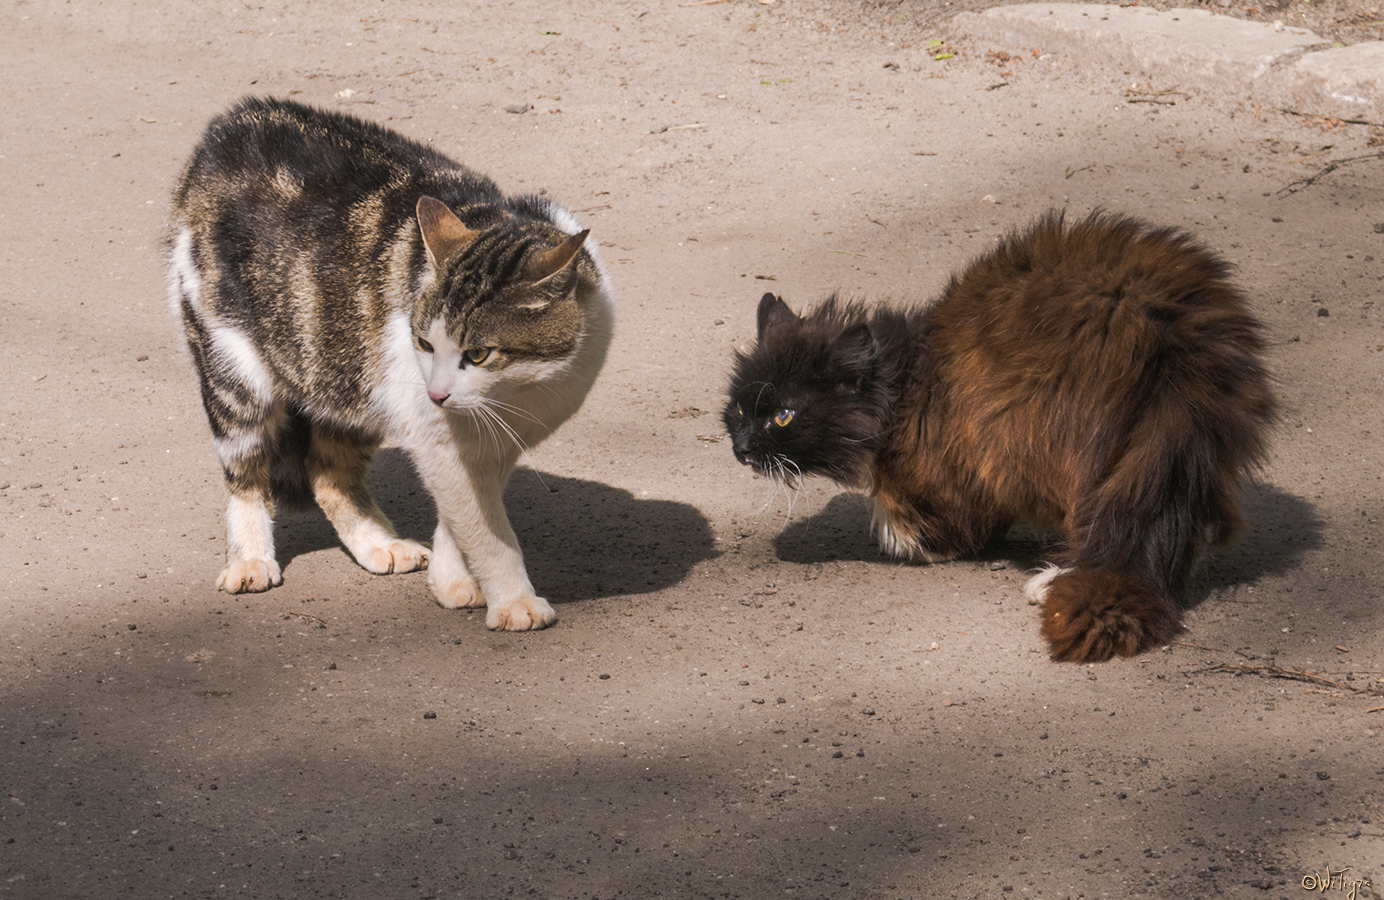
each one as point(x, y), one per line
point(581, 539)
point(840, 531)
point(1283, 528)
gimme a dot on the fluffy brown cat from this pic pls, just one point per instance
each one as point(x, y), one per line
point(1102, 378)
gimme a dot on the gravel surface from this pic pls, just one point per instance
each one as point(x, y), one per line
point(741, 698)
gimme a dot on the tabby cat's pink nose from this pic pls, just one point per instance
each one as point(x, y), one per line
point(438, 397)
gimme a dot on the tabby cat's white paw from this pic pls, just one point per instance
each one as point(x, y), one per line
point(457, 593)
point(396, 557)
point(523, 614)
point(249, 576)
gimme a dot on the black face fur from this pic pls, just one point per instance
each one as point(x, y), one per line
point(804, 400)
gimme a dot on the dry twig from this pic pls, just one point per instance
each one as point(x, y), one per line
point(1307, 115)
point(1289, 674)
point(1304, 183)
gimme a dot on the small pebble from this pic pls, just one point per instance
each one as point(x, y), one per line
point(1323, 312)
point(837, 755)
point(430, 715)
point(869, 710)
point(1379, 227)
point(604, 677)
point(517, 108)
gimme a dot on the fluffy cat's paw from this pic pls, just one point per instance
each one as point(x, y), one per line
point(524, 614)
point(457, 593)
point(1091, 616)
point(1036, 588)
point(249, 576)
point(395, 557)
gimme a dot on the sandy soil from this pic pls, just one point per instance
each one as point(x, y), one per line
point(741, 699)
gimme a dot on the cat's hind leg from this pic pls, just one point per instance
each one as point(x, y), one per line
point(258, 462)
point(337, 462)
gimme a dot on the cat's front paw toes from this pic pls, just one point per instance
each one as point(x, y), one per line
point(457, 593)
point(524, 614)
point(249, 576)
point(396, 557)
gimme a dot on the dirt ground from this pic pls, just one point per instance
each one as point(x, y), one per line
point(742, 698)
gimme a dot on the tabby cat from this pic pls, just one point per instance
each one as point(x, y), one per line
point(1103, 378)
point(341, 285)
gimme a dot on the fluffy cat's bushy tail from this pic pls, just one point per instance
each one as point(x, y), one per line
point(1172, 493)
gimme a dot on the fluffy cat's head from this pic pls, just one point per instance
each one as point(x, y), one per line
point(804, 399)
point(505, 309)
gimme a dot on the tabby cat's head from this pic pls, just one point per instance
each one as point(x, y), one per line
point(505, 308)
point(801, 401)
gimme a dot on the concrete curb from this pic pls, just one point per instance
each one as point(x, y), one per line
point(1198, 51)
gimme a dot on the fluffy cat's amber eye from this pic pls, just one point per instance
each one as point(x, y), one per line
point(783, 417)
point(424, 346)
point(477, 356)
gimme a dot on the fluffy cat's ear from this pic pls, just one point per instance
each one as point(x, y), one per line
point(557, 260)
point(855, 349)
point(773, 312)
point(443, 233)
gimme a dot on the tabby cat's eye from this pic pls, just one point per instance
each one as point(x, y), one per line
point(424, 345)
point(783, 417)
point(738, 411)
point(477, 356)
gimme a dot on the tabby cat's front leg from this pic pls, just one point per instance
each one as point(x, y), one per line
point(475, 556)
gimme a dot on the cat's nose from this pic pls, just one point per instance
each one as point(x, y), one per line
point(438, 397)
point(740, 444)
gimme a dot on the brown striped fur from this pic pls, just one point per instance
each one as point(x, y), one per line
point(1103, 378)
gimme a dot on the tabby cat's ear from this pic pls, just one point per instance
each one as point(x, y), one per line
point(443, 233)
point(773, 312)
point(550, 262)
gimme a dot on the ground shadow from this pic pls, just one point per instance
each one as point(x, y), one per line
point(1282, 528)
point(841, 531)
point(581, 539)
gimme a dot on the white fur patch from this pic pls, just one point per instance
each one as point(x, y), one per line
point(895, 543)
point(237, 354)
point(183, 278)
point(1036, 589)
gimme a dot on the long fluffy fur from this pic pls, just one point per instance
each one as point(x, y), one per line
point(1102, 377)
